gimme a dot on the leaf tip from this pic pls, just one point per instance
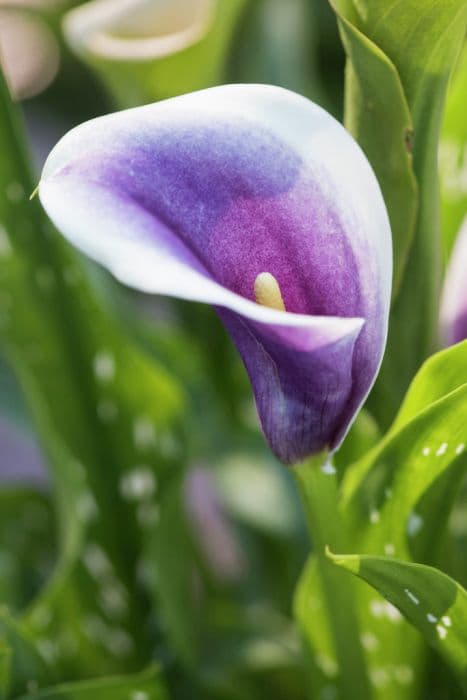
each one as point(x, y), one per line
point(351, 562)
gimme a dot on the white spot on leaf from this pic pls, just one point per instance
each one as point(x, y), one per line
point(403, 675)
point(47, 649)
point(414, 524)
point(411, 596)
point(382, 608)
point(144, 433)
point(379, 677)
point(327, 665)
point(96, 561)
point(442, 449)
point(139, 484)
point(442, 631)
point(369, 641)
point(104, 366)
point(119, 642)
point(114, 601)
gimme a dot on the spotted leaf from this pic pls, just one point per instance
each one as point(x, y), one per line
point(433, 603)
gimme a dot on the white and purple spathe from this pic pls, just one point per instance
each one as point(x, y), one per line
point(255, 200)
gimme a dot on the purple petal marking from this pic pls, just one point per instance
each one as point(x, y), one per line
point(228, 199)
point(302, 388)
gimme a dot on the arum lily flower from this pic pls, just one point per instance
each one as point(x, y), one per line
point(454, 299)
point(138, 29)
point(30, 55)
point(153, 49)
point(255, 200)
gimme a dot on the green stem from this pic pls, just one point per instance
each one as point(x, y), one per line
point(317, 482)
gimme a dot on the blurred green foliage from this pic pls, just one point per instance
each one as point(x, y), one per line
point(109, 565)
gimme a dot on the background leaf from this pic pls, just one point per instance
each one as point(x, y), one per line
point(145, 686)
point(453, 157)
point(374, 95)
point(105, 412)
point(27, 544)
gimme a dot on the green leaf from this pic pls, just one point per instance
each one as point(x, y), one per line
point(431, 601)
point(453, 157)
point(5, 660)
point(168, 70)
point(375, 96)
point(440, 374)
point(145, 686)
point(426, 441)
point(171, 564)
point(25, 662)
point(27, 544)
point(410, 49)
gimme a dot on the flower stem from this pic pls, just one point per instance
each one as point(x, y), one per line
point(317, 482)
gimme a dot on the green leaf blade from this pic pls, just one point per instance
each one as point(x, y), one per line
point(145, 686)
point(375, 95)
point(453, 157)
point(429, 599)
